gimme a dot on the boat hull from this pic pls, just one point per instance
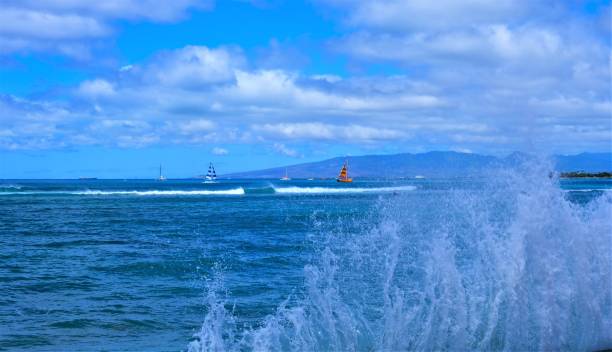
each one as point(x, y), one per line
point(348, 180)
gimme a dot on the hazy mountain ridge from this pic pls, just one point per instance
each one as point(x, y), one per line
point(430, 164)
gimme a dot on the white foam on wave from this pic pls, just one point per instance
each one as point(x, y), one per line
point(30, 193)
point(236, 191)
point(318, 190)
point(9, 186)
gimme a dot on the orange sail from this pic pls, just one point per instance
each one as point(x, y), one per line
point(343, 177)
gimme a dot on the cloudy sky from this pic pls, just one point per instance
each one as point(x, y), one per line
point(114, 88)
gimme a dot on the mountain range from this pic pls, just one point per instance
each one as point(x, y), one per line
point(430, 164)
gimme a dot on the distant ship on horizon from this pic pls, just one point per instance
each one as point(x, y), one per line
point(161, 176)
point(87, 178)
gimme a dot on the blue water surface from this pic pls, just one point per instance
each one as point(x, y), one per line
point(94, 265)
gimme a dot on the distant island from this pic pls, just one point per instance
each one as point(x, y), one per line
point(433, 164)
point(582, 174)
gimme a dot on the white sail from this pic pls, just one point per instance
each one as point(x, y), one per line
point(211, 175)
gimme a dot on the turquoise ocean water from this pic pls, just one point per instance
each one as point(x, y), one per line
point(512, 261)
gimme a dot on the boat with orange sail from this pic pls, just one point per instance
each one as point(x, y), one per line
point(343, 177)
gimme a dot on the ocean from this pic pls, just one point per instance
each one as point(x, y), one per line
point(513, 260)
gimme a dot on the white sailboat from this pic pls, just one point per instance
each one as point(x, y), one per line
point(161, 177)
point(286, 177)
point(211, 175)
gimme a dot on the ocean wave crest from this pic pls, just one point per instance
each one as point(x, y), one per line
point(236, 191)
point(319, 190)
point(9, 186)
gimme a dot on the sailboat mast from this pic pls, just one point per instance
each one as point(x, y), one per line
point(346, 164)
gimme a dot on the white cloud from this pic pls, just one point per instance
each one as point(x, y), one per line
point(123, 124)
point(96, 88)
point(490, 84)
point(357, 132)
point(24, 23)
point(507, 71)
point(284, 150)
point(219, 151)
point(67, 27)
point(6, 133)
point(153, 10)
point(431, 15)
point(490, 46)
point(282, 89)
point(296, 130)
point(327, 78)
point(194, 126)
point(196, 66)
point(137, 141)
point(326, 131)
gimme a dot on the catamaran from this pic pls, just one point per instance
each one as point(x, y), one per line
point(343, 177)
point(211, 175)
point(161, 177)
point(286, 177)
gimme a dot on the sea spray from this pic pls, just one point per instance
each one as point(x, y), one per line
point(217, 332)
point(513, 265)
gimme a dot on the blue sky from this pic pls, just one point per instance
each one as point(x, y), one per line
point(114, 88)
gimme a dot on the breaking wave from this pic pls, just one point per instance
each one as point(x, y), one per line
point(9, 186)
point(235, 191)
point(512, 266)
point(321, 190)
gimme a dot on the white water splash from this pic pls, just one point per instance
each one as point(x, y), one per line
point(512, 266)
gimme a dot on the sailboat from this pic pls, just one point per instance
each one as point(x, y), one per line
point(161, 177)
point(343, 176)
point(211, 175)
point(286, 177)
